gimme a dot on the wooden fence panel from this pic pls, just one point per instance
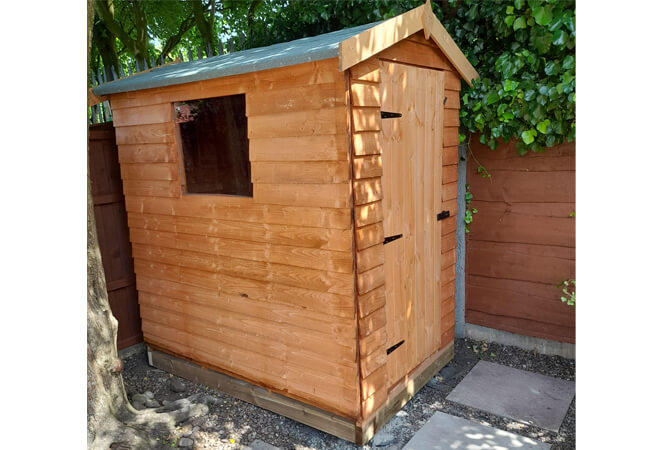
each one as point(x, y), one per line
point(113, 234)
point(521, 243)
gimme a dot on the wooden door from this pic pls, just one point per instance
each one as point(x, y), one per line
point(411, 181)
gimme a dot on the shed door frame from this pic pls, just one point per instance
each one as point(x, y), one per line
point(411, 180)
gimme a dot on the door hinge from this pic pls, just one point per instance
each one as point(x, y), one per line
point(392, 238)
point(442, 215)
point(395, 346)
point(445, 99)
point(389, 115)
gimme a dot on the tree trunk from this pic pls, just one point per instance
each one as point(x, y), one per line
point(110, 417)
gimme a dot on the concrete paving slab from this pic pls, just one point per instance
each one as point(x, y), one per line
point(444, 431)
point(525, 396)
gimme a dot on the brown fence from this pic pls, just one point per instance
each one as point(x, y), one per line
point(522, 241)
point(112, 229)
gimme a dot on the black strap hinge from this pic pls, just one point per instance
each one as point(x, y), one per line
point(389, 115)
point(391, 238)
point(395, 346)
point(442, 215)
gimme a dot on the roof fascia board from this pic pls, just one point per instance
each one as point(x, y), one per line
point(435, 30)
point(370, 42)
point(374, 40)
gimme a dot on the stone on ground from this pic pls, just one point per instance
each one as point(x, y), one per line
point(186, 442)
point(257, 444)
point(177, 385)
point(525, 396)
point(445, 431)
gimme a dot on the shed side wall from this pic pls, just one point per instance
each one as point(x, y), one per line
point(367, 194)
point(262, 287)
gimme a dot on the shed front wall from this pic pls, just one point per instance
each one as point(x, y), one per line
point(261, 288)
point(365, 79)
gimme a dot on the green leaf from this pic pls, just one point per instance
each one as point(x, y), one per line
point(552, 67)
point(543, 15)
point(519, 4)
point(462, 137)
point(492, 98)
point(519, 23)
point(560, 37)
point(542, 126)
point(510, 10)
point(528, 136)
point(509, 21)
point(508, 116)
point(569, 62)
point(510, 85)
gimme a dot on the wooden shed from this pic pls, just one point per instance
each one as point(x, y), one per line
point(292, 217)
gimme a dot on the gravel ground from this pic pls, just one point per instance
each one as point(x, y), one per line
point(234, 424)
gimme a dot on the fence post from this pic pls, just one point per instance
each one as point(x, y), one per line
point(190, 54)
point(220, 48)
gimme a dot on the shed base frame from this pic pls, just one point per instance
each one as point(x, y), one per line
point(334, 424)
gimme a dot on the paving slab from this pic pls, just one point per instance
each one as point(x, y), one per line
point(525, 396)
point(444, 431)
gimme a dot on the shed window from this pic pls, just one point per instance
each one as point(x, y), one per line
point(214, 140)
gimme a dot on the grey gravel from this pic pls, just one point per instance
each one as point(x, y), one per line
point(229, 418)
point(149, 394)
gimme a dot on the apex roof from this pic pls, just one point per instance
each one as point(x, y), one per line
point(350, 45)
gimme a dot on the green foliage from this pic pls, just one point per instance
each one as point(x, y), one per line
point(468, 216)
point(524, 52)
point(569, 298)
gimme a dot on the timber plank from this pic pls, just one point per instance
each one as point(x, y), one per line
point(497, 222)
point(296, 98)
point(371, 301)
point(301, 123)
point(522, 299)
point(152, 188)
point(294, 172)
point(370, 257)
point(367, 191)
point(367, 167)
point(368, 214)
point(147, 153)
point(376, 340)
point(162, 133)
point(155, 171)
point(325, 195)
point(526, 262)
point(143, 115)
point(364, 94)
point(368, 70)
point(241, 209)
point(303, 148)
point(371, 279)
point(369, 235)
point(518, 187)
point(366, 119)
point(367, 142)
